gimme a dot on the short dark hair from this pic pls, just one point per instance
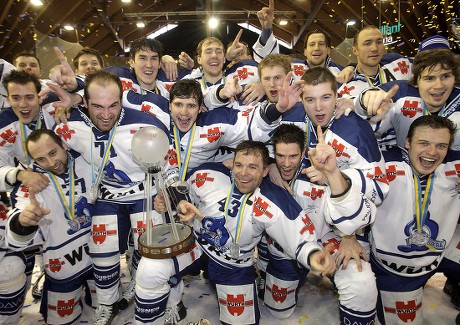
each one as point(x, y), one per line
point(90, 51)
point(146, 44)
point(186, 88)
point(434, 122)
point(355, 38)
point(248, 147)
point(22, 78)
point(430, 58)
point(320, 75)
point(289, 133)
point(102, 78)
point(35, 135)
point(327, 38)
point(26, 54)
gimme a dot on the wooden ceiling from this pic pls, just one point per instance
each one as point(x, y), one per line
point(109, 25)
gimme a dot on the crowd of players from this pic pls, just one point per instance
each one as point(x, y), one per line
point(366, 171)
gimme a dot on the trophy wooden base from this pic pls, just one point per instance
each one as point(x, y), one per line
point(164, 245)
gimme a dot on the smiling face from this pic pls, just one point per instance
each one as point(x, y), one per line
point(104, 105)
point(427, 148)
point(248, 171)
point(212, 58)
point(272, 78)
point(146, 64)
point(319, 103)
point(184, 112)
point(287, 158)
point(49, 155)
point(435, 85)
point(24, 101)
point(316, 49)
point(87, 64)
point(28, 64)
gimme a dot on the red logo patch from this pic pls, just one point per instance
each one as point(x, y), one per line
point(64, 132)
point(99, 233)
point(309, 226)
point(314, 194)
point(279, 294)
point(236, 304)
point(54, 264)
point(403, 66)
point(64, 308)
point(454, 172)
point(411, 108)
point(392, 172)
point(339, 149)
point(261, 208)
point(213, 134)
point(347, 90)
point(243, 73)
point(405, 311)
point(201, 178)
point(8, 137)
point(299, 70)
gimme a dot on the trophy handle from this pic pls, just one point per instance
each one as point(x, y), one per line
point(161, 188)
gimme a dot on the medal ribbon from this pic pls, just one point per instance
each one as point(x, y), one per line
point(245, 198)
point(440, 113)
point(421, 206)
point(382, 78)
point(24, 135)
point(105, 156)
point(69, 208)
point(188, 151)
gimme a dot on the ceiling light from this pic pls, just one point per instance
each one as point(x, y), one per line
point(351, 22)
point(140, 24)
point(162, 30)
point(36, 2)
point(68, 27)
point(283, 22)
point(126, 1)
point(213, 22)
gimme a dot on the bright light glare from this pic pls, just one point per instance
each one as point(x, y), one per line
point(283, 22)
point(351, 23)
point(140, 24)
point(68, 27)
point(36, 2)
point(213, 22)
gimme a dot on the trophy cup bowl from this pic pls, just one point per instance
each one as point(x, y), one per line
point(150, 147)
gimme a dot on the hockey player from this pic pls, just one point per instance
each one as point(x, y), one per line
point(306, 181)
point(87, 61)
point(103, 138)
point(57, 220)
point(415, 223)
point(431, 90)
point(233, 210)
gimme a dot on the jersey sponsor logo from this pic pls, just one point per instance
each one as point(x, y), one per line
point(172, 157)
point(235, 304)
point(64, 132)
point(339, 149)
point(279, 294)
point(99, 233)
point(146, 108)
point(392, 172)
point(127, 85)
point(411, 108)
point(8, 137)
point(347, 90)
point(402, 67)
point(213, 134)
point(243, 73)
point(140, 227)
point(3, 211)
point(261, 208)
point(247, 113)
point(378, 175)
point(455, 171)
point(299, 70)
point(314, 194)
point(77, 255)
point(410, 269)
point(54, 264)
point(405, 311)
point(309, 226)
point(332, 245)
point(202, 178)
point(169, 86)
point(63, 307)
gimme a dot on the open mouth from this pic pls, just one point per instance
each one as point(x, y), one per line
point(427, 163)
point(320, 118)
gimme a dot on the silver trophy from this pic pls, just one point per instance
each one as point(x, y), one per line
point(150, 148)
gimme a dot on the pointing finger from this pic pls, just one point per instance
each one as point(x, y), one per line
point(392, 92)
point(237, 38)
point(320, 134)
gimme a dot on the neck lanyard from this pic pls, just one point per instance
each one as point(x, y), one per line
point(24, 135)
point(421, 204)
point(381, 75)
point(204, 85)
point(144, 91)
point(69, 208)
point(239, 224)
point(188, 151)
point(427, 112)
point(105, 158)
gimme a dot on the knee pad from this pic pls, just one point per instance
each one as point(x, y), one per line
point(104, 236)
point(12, 289)
point(280, 296)
point(63, 307)
point(107, 278)
point(11, 267)
point(238, 304)
point(402, 307)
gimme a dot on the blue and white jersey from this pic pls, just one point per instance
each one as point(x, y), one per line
point(65, 250)
point(299, 67)
point(123, 178)
point(395, 222)
point(268, 208)
point(356, 151)
point(407, 107)
point(392, 67)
